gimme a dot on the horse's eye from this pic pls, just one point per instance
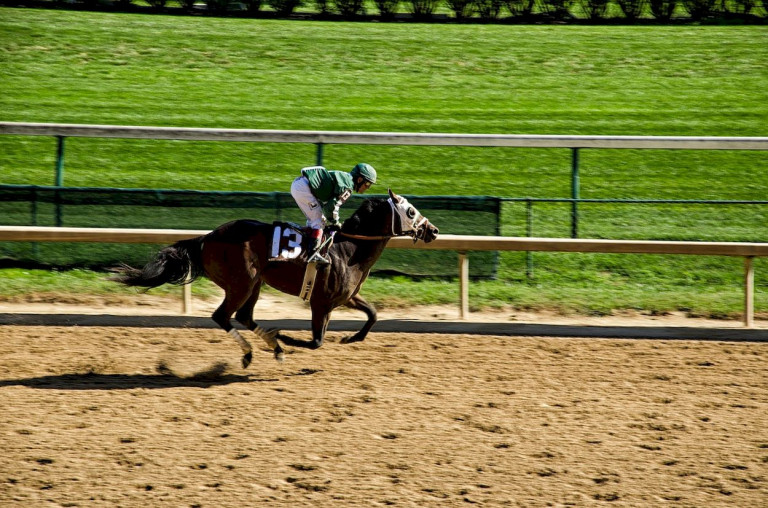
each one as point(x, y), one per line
point(411, 213)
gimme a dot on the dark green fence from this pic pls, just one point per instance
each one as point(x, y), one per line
point(634, 219)
point(176, 209)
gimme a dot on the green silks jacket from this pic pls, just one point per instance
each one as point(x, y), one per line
point(331, 188)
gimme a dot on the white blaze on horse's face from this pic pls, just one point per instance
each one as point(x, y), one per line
point(410, 218)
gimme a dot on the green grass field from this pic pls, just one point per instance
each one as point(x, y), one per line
point(79, 67)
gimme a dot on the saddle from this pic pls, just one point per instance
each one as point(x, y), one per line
point(289, 240)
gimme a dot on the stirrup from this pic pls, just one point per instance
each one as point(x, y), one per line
point(318, 258)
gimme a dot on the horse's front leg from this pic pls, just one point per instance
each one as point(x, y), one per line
point(357, 302)
point(320, 319)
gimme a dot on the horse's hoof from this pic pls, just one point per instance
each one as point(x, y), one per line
point(279, 356)
point(247, 357)
point(344, 340)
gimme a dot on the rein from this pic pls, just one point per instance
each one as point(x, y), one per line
point(365, 237)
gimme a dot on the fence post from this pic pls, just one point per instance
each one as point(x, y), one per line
point(463, 285)
point(749, 292)
point(529, 233)
point(186, 299)
point(33, 211)
point(319, 156)
point(574, 192)
point(59, 180)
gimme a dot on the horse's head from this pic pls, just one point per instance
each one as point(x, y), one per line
point(411, 222)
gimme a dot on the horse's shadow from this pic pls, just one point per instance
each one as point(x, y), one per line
point(95, 381)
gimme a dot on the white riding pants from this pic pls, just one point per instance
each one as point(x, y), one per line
point(308, 203)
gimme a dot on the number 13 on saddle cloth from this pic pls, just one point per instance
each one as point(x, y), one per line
point(286, 245)
point(286, 241)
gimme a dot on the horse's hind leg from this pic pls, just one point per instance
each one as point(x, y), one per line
point(244, 315)
point(357, 302)
point(233, 300)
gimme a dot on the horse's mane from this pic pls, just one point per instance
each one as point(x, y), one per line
point(369, 219)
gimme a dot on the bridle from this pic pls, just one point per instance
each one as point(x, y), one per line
point(413, 232)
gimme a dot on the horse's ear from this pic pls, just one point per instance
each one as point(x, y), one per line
point(395, 197)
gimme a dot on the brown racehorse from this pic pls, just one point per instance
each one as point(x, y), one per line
point(242, 255)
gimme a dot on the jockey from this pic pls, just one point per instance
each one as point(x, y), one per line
point(320, 193)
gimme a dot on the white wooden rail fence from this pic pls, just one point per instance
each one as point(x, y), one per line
point(385, 138)
point(459, 243)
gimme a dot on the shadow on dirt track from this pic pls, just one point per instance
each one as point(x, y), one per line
point(409, 326)
point(93, 381)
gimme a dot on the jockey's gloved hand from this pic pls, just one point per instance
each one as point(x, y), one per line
point(334, 226)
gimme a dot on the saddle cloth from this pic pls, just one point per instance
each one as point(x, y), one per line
point(287, 241)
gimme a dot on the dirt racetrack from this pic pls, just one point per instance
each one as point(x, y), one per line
point(109, 416)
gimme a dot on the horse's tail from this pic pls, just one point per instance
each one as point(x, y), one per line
point(180, 263)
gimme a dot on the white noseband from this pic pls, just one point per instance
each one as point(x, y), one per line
point(413, 224)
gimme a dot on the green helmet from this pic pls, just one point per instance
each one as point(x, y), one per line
point(364, 170)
